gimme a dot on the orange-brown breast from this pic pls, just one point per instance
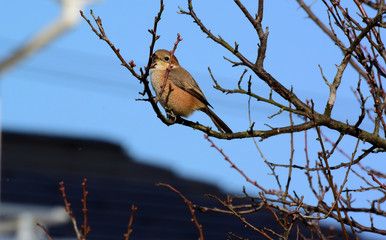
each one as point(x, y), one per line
point(173, 98)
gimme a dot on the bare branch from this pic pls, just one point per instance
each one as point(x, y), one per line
point(190, 206)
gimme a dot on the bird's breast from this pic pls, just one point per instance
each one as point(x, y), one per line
point(156, 79)
point(177, 100)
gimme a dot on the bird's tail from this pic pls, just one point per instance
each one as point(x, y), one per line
point(222, 127)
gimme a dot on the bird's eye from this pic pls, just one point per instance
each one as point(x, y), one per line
point(166, 58)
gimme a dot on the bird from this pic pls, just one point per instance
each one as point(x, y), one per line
point(181, 95)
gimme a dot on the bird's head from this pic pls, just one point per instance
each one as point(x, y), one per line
point(161, 59)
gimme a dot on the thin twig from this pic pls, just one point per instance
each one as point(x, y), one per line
point(169, 68)
point(236, 168)
point(85, 228)
point(190, 206)
point(291, 156)
point(272, 168)
point(67, 206)
point(45, 231)
point(243, 220)
point(129, 227)
point(377, 181)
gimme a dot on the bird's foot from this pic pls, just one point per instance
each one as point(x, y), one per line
point(171, 116)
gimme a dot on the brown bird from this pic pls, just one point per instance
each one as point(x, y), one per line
point(182, 95)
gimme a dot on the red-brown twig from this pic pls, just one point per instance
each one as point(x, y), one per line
point(129, 227)
point(45, 231)
point(238, 169)
point(377, 181)
point(191, 208)
point(85, 228)
point(69, 211)
point(236, 236)
point(272, 211)
point(169, 68)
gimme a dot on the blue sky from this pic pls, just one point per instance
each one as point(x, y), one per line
point(75, 86)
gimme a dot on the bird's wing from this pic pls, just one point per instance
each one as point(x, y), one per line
point(182, 79)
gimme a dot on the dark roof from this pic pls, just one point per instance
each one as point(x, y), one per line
point(33, 165)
